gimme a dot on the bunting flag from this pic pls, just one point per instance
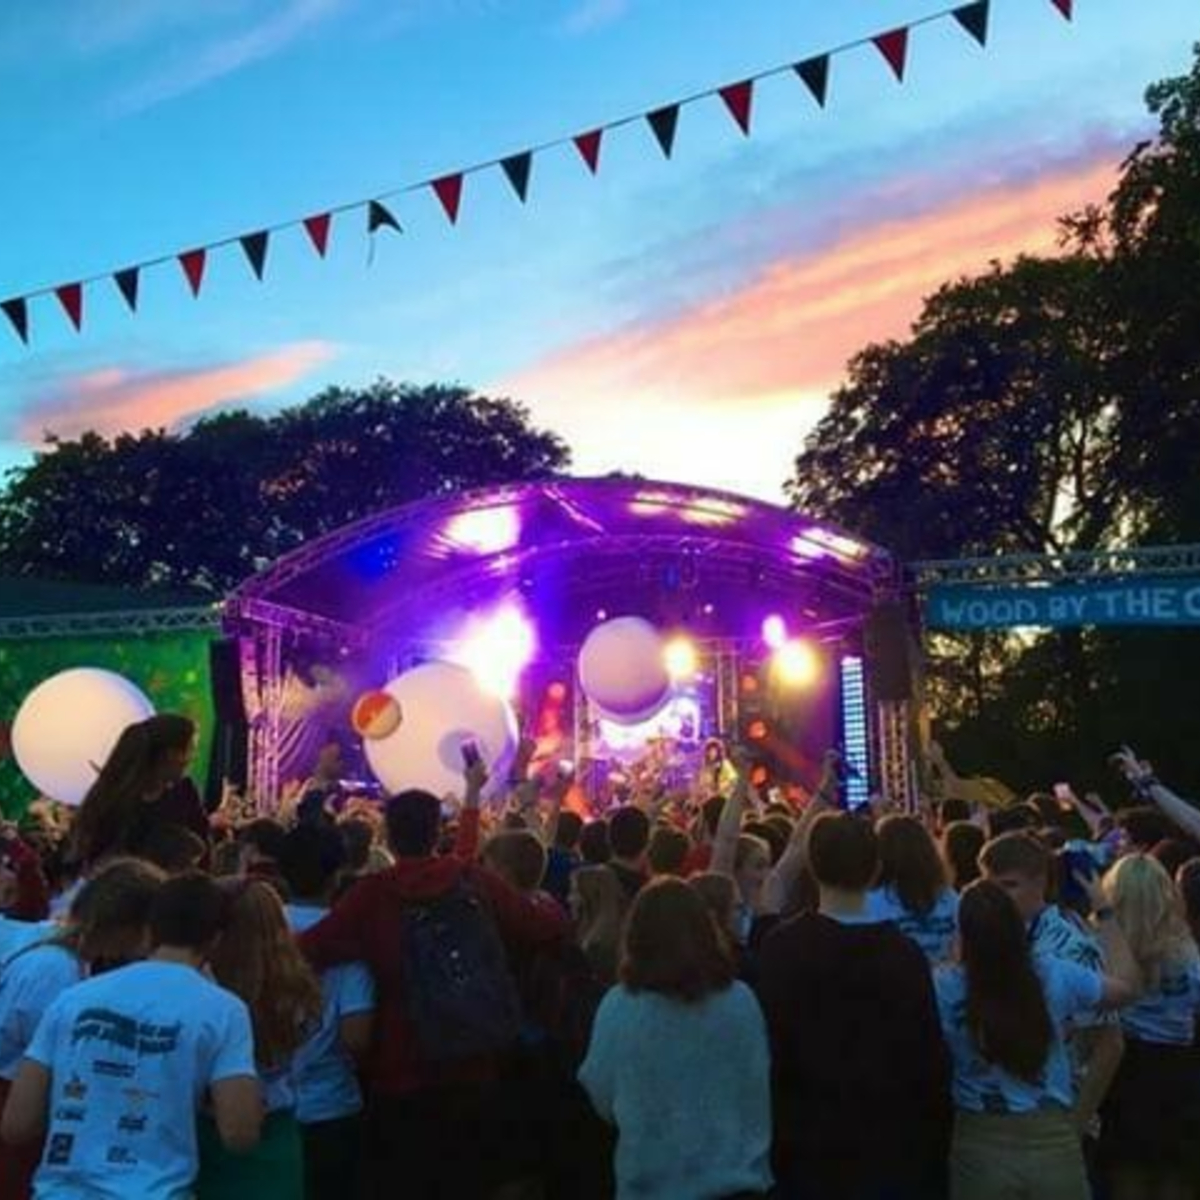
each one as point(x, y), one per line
point(193, 267)
point(516, 168)
point(127, 285)
point(448, 190)
point(255, 247)
point(18, 314)
point(664, 121)
point(974, 19)
point(588, 145)
point(815, 73)
point(378, 217)
point(738, 99)
point(70, 296)
point(893, 45)
point(317, 229)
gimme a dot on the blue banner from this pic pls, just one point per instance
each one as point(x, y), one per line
point(1160, 601)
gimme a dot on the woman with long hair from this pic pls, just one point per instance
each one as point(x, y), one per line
point(678, 1060)
point(1003, 1013)
point(257, 959)
point(141, 786)
point(911, 890)
point(1151, 1115)
point(961, 843)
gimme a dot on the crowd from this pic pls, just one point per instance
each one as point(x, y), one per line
point(717, 999)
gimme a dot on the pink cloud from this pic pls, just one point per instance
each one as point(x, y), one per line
point(112, 399)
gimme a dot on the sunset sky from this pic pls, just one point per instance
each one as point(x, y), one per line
point(685, 319)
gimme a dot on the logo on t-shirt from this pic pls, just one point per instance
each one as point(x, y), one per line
point(58, 1149)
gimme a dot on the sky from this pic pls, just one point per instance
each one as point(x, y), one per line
point(685, 319)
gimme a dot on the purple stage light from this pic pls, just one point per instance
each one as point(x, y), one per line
point(497, 647)
point(774, 631)
point(485, 530)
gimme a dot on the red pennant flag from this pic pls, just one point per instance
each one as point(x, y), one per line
point(449, 192)
point(588, 145)
point(738, 98)
point(1064, 7)
point(317, 229)
point(894, 48)
point(70, 296)
point(193, 267)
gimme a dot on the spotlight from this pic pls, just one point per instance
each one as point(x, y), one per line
point(497, 648)
point(774, 631)
point(796, 664)
point(679, 657)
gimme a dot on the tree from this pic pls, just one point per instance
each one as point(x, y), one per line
point(208, 507)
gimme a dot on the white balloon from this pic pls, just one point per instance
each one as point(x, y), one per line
point(443, 706)
point(621, 669)
point(67, 726)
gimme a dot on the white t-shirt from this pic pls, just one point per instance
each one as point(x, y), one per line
point(130, 1054)
point(29, 982)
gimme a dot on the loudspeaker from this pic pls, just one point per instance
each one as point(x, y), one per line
point(225, 675)
point(891, 652)
point(229, 756)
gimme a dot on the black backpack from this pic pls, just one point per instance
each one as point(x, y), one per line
point(462, 999)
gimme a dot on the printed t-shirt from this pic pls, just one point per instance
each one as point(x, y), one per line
point(933, 931)
point(1166, 1015)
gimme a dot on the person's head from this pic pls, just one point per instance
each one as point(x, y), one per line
point(714, 752)
point(258, 960)
point(357, 837)
point(109, 919)
point(751, 866)
point(1173, 853)
point(262, 842)
point(148, 757)
point(1019, 864)
point(909, 863)
point(594, 847)
point(173, 848)
point(672, 945)
point(1188, 882)
point(953, 809)
point(310, 858)
point(1014, 819)
point(518, 856)
point(1145, 827)
point(413, 820)
point(1007, 1016)
point(188, 913)
point(629, 833)
point(710, 816)
point(330, 765)
point(775, 831)
point(720, 895)
point(568, 831)
point(961, 843)
point(668, 850)
point(843, 852)
point(1150, 911)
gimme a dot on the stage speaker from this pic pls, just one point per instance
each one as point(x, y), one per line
point(891, 652)
point(225, 676)
point(229, 757)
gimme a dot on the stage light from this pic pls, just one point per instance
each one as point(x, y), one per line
point(485, 530)
point(774, 631)
point(496, 648)
point(756, 730)
point(679, 657)
point(796, 664)
point(855, 737)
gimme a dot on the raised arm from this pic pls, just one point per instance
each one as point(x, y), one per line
point(724, 853)
point(782, 880)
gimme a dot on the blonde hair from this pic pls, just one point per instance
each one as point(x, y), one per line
point(1150, 911)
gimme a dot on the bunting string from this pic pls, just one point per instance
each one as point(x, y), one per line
point(662, 120)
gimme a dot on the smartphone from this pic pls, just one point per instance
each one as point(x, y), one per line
point(470, 753)
point(566, 768)
point(1062, 793)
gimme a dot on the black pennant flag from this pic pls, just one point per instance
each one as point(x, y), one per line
point(663, 121)
point(17, 312)
point(974, 19)
point(815, 73)
point(517, 169)
point(255, 246)
point(378, 217)
point(127, 285)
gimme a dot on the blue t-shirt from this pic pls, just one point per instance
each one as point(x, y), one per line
point(130, 1054)
point(1056, 933)
point(933, 931)
point(982, 1087)
point(29, 982)
point(1167, 1014)
point(322, 1071)
point(16, 935)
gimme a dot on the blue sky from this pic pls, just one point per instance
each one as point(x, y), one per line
point(685, 319)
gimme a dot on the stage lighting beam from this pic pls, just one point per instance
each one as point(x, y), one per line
point(796, 664)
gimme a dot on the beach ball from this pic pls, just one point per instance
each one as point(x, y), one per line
point(375, 715)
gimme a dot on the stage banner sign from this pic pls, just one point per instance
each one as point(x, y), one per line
point(1162, 601)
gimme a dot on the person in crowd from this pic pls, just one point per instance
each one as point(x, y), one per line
point(597, 904)
point(704, 832)
point(142, 785)
point(912, 890)
point(118, 1064)
point(257, 960)
point(106, 927)
point(1005, 1009)
point(861, 1073)
point(1188, 882)
point(678, 1060)
point(563, 856)
point(961, 843)
point(174, 849)
point(433, 1072)
point(1151, 1115)
point(595, 848)
point(24, 892)
point(720, 895)
point(261, 843)
point(519, 858)
point(775, 830)
point(1173, 852)
point(329, 1100)
point(667, 851)
point(629, 835)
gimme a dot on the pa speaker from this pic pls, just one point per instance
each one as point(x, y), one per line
point(891, 653)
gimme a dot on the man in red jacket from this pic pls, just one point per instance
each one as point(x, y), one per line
point(433, 1127)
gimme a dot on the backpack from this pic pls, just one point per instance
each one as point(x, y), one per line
point(461, 996)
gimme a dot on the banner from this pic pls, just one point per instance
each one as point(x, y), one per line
point(1163, 601)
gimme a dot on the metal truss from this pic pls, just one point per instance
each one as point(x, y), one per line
point(131, 621)
point(1034, 568)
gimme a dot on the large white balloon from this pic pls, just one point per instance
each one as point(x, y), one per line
point(67, 726)
point(621, 669)
point(441, 707)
